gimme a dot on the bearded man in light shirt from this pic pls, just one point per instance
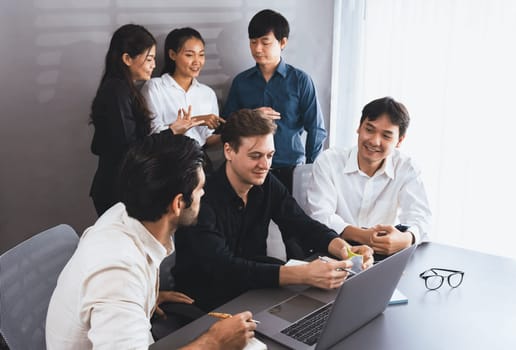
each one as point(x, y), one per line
point(108, 291)
point(372, 193)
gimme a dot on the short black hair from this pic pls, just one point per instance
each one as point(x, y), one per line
point(245, 123)
point(396, 111)
point(155, 171)
point(267, 21)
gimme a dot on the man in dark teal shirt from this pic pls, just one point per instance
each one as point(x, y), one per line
point(282, 92)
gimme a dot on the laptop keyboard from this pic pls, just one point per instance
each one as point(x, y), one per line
point(308, 329)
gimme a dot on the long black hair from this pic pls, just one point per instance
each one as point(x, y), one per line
point(175, 41)
point(134, 40)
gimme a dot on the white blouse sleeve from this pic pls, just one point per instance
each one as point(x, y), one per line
point(153, 97)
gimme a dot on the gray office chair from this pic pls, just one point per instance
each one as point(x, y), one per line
point(300, 180)
point(28, 276)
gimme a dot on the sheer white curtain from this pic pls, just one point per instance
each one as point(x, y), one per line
point(453, 64)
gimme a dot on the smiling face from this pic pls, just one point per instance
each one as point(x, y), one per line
point(266, 50)
point(189, 60)
point(249, 165)
point(376, 140)
point(142, 65)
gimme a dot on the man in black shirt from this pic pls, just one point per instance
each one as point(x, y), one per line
point(223, 255)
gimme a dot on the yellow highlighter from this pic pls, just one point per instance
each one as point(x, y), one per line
point(350, 253)
point(356, 259)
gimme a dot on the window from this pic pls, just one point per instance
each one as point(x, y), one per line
point(452, 63)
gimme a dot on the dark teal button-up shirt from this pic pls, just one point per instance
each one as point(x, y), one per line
point(291, 92)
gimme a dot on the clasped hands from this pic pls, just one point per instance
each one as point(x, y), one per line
point(386, 239)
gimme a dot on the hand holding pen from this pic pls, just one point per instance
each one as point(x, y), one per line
point(223, 316)
point(325, 272)
point(232, 332)
point(326, 259)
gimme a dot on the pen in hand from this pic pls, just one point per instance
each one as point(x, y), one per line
point(223, 315)
point(325, 259)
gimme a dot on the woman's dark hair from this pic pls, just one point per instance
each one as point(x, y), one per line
point(396, 111)
point(245, 123)
point(175, 41)
point(155, 171)
point(134, 40)
point(267, 21)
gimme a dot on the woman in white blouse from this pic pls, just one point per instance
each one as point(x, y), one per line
point(177, 100)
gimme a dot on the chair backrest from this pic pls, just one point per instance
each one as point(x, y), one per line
point(28, 276)
point(300, 181)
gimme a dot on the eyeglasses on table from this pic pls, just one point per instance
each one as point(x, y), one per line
point(434, 279)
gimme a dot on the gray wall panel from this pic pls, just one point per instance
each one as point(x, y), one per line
point(51, 63)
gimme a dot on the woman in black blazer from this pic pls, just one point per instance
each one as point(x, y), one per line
point(119, 112)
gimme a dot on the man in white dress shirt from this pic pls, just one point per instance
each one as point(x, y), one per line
point(372, 193)
point(108, 291)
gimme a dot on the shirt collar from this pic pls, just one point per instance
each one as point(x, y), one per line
point(352, 164)
point(388, 166)
point(116, 218)
point(281, 69)
point(223, 185)
point(171, 82)
point(154, 249)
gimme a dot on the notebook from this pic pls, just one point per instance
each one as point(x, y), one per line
point(255, 344)
point(304, 321)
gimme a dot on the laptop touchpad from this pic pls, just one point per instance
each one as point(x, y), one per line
point(295, 308)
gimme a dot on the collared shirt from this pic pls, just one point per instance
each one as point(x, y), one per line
point(290, 92)
point(164, 97)
point(107, 292)
point(340, 194)
point(216, 259)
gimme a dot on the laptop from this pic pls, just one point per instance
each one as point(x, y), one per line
point(308, 320)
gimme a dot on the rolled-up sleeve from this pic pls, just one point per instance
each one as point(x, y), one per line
point(313, 119)
point(414, 207)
